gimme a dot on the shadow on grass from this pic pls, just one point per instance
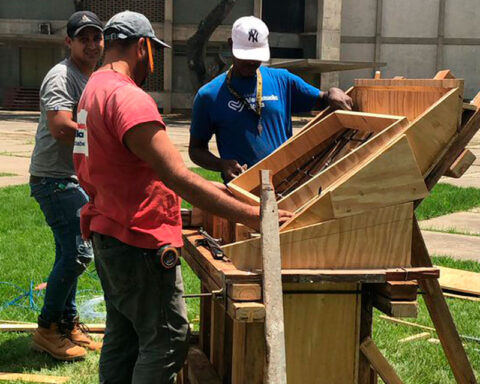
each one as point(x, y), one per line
point(17, 356)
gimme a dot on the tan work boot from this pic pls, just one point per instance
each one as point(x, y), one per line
point(77, 332)
point(48, 338)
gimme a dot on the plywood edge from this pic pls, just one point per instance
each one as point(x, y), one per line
point(437, 83)
point(243, 195)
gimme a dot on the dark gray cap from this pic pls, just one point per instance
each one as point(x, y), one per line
point(129, 25)
point(81, 20)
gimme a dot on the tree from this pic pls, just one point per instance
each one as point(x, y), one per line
point(197, 45)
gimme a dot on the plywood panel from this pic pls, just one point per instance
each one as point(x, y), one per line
point(390, 177)
point(430, 134)
point(459, 281)
point(325, 353)
point(376, 239)
point(343, 167)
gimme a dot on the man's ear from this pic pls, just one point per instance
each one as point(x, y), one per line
point(141, 48)
point(68, 41)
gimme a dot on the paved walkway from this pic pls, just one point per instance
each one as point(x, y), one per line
point(17, 136)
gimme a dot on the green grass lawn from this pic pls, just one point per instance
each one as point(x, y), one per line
point(26, 256)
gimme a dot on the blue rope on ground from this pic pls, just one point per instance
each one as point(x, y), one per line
point(28, 296)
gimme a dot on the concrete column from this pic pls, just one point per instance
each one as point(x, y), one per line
point(329, 22)
point(378, 35)
point(441, 35)
point(168, 56)
point(257, 8)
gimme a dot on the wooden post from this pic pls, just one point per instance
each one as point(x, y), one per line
point(275, 369)
point(440, 314)
point(378, 361)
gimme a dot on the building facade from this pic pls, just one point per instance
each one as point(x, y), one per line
point(415, 38)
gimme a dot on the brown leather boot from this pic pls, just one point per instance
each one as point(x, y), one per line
point(77, 332)
point(48, 338)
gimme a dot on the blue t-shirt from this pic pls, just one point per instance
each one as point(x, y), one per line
point(217, 111)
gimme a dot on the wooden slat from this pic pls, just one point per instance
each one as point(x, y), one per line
point(457, 280)
point(395, 308)
point(461, 164)
point(31, 327)
point(378, 361)
point(217, 338)
point(33, 378)
point(418, 336)
point(200, 371)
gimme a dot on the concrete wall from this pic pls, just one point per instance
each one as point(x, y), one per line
point(415, 38)
point(36, 9)
point(191, 12)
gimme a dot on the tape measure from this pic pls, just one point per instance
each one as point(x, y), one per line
point(168, 256)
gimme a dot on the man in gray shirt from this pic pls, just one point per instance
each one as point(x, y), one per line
point(55, 187)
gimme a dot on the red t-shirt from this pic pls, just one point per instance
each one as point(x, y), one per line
point(127, 199)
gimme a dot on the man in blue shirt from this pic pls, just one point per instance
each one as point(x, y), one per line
point(249, 108)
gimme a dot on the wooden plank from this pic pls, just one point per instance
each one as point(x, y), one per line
point(275, 363)
point(248, 311)
point(378, 361)
point(440, 314)
point(31, 327)
point(200, 370)
point(395, 308)
point(245, 292)
point(444, 74)
point(461, 297)
point(33, 378)
point(436, 83)
point(205, 321)
point(238, 352)
point(327, 352)
point(389, 177)
point(217, 338)
point(379, 238)
point(457, 280)
point(461, 164)
point(365, 375)
point(418, 336)
point(398, 290)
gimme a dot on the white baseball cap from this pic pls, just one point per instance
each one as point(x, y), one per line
point(250, 39)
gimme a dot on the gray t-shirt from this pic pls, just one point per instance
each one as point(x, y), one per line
point(60, 91)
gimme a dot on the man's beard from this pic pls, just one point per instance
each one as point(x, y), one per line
point(141, 72)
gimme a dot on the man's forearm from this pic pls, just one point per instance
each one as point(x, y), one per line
point(205, 159)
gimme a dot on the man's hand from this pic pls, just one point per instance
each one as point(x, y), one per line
point(336, 98)
point(284, 216)
point(231, 169)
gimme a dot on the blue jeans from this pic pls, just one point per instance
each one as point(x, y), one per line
point(60, 201)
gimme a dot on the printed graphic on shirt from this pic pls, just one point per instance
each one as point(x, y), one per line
point(237, 105)
point(81, 136)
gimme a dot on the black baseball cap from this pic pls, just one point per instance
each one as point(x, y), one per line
point(80, 20)
point(130, 25)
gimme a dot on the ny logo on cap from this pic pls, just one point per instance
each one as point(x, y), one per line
point(85, 19)
point(253, 35)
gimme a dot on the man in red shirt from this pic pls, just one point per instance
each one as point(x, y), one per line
point(132, 174)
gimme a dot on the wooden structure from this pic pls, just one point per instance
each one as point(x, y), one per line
point(352, 180)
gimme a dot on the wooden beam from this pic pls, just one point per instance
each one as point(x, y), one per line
point(245, 292)
point(395, 308)
point(461, 164)
point(441, 34)
point(440, 314)
point(248, 312)
point(4, 376)
point(366, 374)
point(199, 369)
point(397, 290)
point(378, 361)
point(276, 365)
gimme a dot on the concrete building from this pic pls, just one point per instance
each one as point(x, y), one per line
point(415, 38)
